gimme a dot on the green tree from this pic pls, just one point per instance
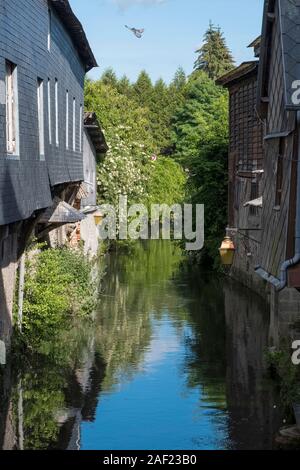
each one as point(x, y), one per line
point(126, 126)
point(201, 140)
point(109, 77)
point(143, 90)
point(119, 115)
point(179, 81)
point(214, 56)
point(167, 182)
point(161, 113)
point(124, 86)
point(128, 168)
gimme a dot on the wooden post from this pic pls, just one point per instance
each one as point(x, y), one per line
point(21, 291)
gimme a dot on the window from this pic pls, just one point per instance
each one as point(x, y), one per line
point(40, 103)
point(11, 109)
point(67, 119)
point(49, 112)
point(279, 171)
point(49, 29)
point(74, 124)
point(80, 127)
point(56, 113)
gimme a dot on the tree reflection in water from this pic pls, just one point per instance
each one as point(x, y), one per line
point(222, 334)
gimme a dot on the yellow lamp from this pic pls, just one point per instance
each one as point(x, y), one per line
point(98, 217)
point(227, 251)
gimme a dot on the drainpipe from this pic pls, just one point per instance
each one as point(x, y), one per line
point(296, 259)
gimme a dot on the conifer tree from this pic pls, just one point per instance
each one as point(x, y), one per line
point(160, 111)
point(177, 89)
point(109, 78)
point(214, 56)
point(143, 90)
point(124, 86)
point(180, 79)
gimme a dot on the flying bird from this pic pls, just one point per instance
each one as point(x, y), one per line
point(137, 32)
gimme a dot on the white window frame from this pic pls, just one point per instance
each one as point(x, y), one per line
point(49, 111)
point(56, 114)
point(41, 117)
point(12, 114)
point(67, 120)
point(74, 124)
point(80, 127)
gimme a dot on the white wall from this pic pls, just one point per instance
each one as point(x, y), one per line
point(89, 169)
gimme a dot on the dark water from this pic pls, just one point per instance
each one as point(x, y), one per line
point(173, 360)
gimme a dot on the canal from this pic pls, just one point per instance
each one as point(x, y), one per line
point(173, 359)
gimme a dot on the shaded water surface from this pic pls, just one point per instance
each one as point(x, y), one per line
point(173, 360)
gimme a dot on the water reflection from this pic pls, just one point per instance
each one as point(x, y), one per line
point(173, 360)
point(252, 402)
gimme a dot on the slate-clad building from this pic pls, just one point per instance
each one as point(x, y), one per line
point(47, 49)
point(272, 264)
point(44, 56)
point(245, 167)
point(279, 69)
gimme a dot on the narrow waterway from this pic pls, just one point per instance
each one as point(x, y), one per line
point(173, 360)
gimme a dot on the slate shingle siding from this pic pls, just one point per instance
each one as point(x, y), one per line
point(25, 182)
point(289, 11)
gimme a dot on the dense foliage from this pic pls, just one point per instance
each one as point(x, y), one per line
point(286, 375)
point(58, 287)
point(168, 142)
point(135, 126)
point(201, 140)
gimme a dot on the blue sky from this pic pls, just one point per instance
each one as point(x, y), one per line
point(173, 30)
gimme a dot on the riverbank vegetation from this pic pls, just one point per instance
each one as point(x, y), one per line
point(59, 289)
point(168, 142)
point(286, 375)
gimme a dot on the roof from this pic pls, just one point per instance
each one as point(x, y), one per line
point(288, 22)
point(61, 213)
point(95, 132)
point(246, 68)
point(256, 44)
point(76, 31)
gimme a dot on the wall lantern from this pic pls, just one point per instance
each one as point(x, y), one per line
point(227, 251)
point(98, 217)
